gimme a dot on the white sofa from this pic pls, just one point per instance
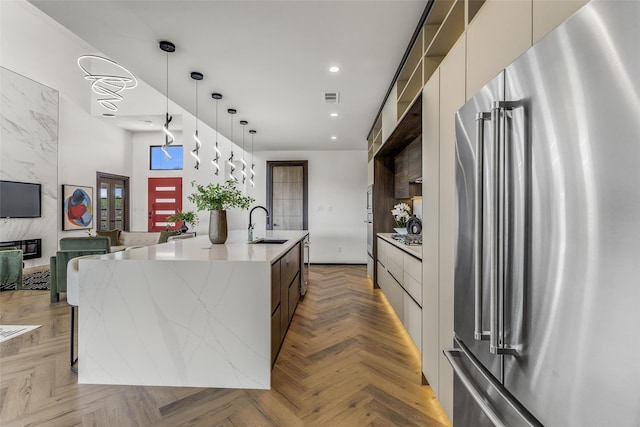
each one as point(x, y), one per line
point(129, 239)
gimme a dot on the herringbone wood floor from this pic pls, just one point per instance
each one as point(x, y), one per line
point(346, 361)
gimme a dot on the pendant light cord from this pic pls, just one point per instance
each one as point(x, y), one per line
point(196, 106)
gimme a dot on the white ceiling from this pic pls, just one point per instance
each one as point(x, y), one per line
point(269, 59)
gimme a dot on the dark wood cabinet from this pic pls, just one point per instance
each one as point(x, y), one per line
point(401, 175)
point(414, 160)
point(285, 294)
point(407, 169)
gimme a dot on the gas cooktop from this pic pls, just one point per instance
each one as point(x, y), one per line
point(408, 239)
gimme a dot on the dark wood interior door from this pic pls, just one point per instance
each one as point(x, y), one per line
point(287, 194)
point(165, 198)
point(113, 194)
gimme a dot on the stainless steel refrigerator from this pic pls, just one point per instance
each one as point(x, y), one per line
point(547, 269)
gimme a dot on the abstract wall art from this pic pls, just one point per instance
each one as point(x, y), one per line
point(77, 207)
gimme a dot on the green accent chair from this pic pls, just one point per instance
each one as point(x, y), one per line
point(73, 247)
point(11, 265)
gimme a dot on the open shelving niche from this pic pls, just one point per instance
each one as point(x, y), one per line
point(375, 138)
point(444, 24)
point(442, 27)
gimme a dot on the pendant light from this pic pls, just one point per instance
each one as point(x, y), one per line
point(244, 123)
point(197, 77)
point(168, 47)
point(252, 172)
point(232, 167)
point(109, 83)
point(215, 161)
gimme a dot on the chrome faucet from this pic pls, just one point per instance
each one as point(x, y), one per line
point(251, 224)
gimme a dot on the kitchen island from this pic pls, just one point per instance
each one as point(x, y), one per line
point(182, 313)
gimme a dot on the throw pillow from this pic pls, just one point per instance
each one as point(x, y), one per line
point(165, 234)
point(113, 236)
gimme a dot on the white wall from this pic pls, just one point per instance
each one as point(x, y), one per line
point(37, 47)
point(205, 174)
point(337, 202)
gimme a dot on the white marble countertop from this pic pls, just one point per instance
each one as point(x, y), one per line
point(415, 250)
point(236, 248)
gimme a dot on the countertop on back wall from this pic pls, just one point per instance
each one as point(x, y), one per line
point(415, 250)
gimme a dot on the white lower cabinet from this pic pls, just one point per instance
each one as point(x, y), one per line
point(412, 319)
point(400, 278)
point(391, 288)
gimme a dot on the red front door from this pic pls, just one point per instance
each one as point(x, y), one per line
point(165, 198)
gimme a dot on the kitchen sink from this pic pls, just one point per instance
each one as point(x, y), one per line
point(268, 241)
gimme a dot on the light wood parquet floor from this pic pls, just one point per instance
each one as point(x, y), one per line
point(346, 361)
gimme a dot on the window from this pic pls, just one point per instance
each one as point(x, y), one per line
point(158, 160)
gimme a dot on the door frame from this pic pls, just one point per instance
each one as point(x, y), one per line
point(305, 188)
point(126, 201)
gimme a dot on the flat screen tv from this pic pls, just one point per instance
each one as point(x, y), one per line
point(159, 161)
point(20, 200)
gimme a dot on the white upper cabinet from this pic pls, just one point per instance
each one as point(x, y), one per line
point(499, 33)
point(547, 15)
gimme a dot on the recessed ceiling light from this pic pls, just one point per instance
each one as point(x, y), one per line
point(334, 69)
point(334, 137)
point(334, 114)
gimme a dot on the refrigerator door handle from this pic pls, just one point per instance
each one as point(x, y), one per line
point(480, 396)
point(452, 355)
point(478, 333)
point(500, 222)
point(496, 234)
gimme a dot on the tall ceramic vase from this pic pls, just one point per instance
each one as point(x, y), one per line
point(218, 227)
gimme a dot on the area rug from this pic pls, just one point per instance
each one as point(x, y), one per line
point(11, 331)
point(37, 280)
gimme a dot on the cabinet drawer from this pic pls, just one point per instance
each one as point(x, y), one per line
point(395, 297)
point(275, 334)
point(395, 270)
point(412, 279)
point(382, 252)
point(294, 297)
point(383, 277)
point(394, 254)
point(412, 320)
point(413, 266)
point(290, 264)
point(395, 262)
point(391, 289)
point(275, 285)
point(413, 288)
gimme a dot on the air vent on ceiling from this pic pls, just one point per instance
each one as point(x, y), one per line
point(331, 97)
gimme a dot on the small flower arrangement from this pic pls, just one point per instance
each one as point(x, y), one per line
point(401, 213)
point(189, 217)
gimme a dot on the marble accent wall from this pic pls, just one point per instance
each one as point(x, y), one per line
point(29, 153)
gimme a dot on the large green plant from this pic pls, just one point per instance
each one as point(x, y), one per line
point(219, 197)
